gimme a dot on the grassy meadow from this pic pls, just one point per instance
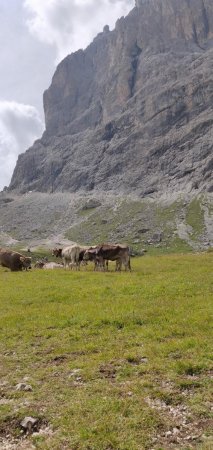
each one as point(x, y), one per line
point(115, 361)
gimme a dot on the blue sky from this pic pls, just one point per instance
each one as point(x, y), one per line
point(35, 35)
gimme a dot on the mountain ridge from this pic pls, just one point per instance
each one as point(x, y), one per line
point(132, 112)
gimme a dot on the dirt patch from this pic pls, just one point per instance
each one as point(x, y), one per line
point(183, 430)
point(108, 371)
point(14, 444)
point(59, 359)
point(22, 442)
point(11, 427)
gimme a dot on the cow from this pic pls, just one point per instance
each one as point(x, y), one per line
point(52, 265)
point(57, 252)
point(39, 265)
point(70, 256)
point(48, 265)
point(14, 261)
point(82, 253)
point(110, 252)
point(90, 255)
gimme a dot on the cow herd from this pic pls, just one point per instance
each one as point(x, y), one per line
point(72, 257)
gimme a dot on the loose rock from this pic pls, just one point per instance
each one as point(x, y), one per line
point(29, 424)
point(24, 387)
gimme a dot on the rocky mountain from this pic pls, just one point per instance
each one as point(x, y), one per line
point(134, 111)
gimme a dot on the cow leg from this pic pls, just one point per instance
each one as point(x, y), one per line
point(99, 264)
point(102, 263)
point(83, 264)
point(118, 265)
point(128, 266)
point(66, 263)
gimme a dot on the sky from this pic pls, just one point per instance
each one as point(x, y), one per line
point(35, 35)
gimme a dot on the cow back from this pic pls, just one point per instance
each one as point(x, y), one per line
point(113, 252)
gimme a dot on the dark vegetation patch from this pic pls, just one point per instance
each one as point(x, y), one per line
point(5, 201)
point(11, 426)
point(108, 371)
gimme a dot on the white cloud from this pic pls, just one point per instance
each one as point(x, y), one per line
point(71, 24)
point(27, 64)
point(20, 125)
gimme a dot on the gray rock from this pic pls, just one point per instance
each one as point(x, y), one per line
point(168, 434)
point(106, 29)
point(144, 360)
point(29, 424)
point(134, 111)
point(143, 230)
point(157, 237)
point(91, 204)
point(24, 387)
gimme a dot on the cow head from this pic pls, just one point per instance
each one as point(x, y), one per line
point(26, 262)
point(57, 252)
point(90, 254)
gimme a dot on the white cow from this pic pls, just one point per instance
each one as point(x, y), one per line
point(52, 265)
point(47, 265)
point(70, 255)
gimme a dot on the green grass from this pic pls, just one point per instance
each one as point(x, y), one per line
point(105, 227)
point(195, 218)
point(174, 245)
point(123, 224)
point(133, 338)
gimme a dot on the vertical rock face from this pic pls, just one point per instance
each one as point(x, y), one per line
point(133, 112)
point(139, 3)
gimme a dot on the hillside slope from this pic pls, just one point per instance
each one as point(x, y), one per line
point(171, 224)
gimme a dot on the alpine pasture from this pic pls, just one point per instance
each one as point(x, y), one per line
point(117, 361)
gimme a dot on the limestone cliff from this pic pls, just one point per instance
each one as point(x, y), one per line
point(132, 112)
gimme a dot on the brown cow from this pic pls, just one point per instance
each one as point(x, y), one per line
point(57, 252)
point(14, 261)
point(110, 252)
point(90, 255)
